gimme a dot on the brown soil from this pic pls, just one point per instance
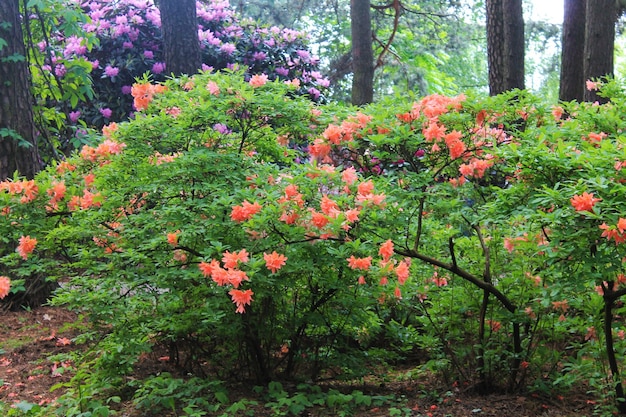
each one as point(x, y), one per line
point(31, 342)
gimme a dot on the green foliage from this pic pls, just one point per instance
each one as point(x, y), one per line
point(253, 234)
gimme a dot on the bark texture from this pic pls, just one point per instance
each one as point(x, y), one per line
point(572, 80)
point(601, 16)
point(179, 25)
point(16, 112)
point(505, 45)
point(514, 46)
point(362, 52)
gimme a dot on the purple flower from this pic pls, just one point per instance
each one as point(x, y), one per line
point(228, 48)
point(222, 128)
point(259, 56)
point(148, 54)
point(282, 71)
point(60, 70)
point(127, 45)
point(127, 89)
point(314, 92)
point(419, 153)
point(106, 113)
point(111, 72)
point(158, 67)
point(74, 116)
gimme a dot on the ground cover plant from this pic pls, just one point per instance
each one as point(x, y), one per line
point(252, 234)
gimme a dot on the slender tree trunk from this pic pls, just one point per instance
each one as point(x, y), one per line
point(514, 46)
point(179, 25)
point(572, 83)
point(505, 45)
point(601, 16)
point(18, 146)
point(495, 46)
point(362, 53)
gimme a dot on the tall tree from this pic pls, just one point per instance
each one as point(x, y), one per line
point(18, 145)
point(179, 25)
point(572, 81)
point(514, 46)
point(362, 52)
point(505, 45)
point(601, 16)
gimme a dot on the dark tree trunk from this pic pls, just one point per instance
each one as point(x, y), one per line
point(179, 25)
point(18, 146)
point(601, 16)
point(495, 46)
point(572, 85)
point(505, 45)
point(362, 53)
point(514, 46)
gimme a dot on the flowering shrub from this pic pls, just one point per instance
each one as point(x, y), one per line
point(249, 229)
point(122, 41)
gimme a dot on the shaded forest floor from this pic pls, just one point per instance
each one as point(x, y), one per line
point(33, 346)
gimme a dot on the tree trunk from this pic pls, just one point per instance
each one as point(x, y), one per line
point(601, 16)
point(495, 46)
point(505, 45)
point(362, 53)
point(18, 145)
point(572, 83)
point(179, 25)
point(514, 46)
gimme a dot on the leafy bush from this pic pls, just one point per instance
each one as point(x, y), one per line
point(252, 232)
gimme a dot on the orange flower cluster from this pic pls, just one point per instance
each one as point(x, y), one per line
point(584, 202)
point(26, 246)
point(144, 93)
point(27, 188)
point(102, 152)
point(85, 202)
point(258, 80)
point(5, 286)
point(337, 135)
point(245, 211)
point(57, 193)
point(616, 232)
point(274, 261)
point(241, 299)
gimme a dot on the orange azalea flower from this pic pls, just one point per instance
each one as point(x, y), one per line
point(319, 220)
point(172, 238)
point(319, 148)
point(289, 217)
point(258, 80)
point(560, 305)
point(65, 166)
point(584, 202)
point(245, 211)
point(349, 176)
point(5, 286)
point(397, 293)
point(402, 272)
point(213, 88)
point(359, 263)
point(108, 130)
point(241, 299)
point(361, 280)
point(365, 187)
point(386, 250)
point(26, 246)
point(333, 134)
point(434, 131)
point(235, 277)
point(329, 207)
point(232, 259)
point(207, 267)
point(274, 261)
